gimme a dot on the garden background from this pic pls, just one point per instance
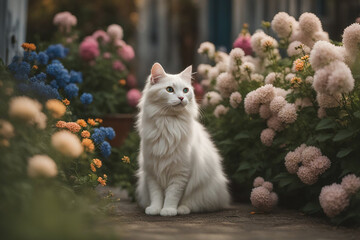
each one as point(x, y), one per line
point(72, 73)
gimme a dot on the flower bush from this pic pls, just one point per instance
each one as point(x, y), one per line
point(104, 59)
point(291, 113)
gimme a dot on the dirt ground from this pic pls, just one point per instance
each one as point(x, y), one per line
point(130, 222)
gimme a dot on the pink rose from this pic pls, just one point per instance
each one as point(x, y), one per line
point(89, 49)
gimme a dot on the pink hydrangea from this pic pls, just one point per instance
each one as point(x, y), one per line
point(351, 184)
point(351, 38)
point(118, 66)
point(309, 154)
point(287, 113)
point(277, 103)
point(131, 81)
point(341, 79)
point(220, 110)
point(267, 136)
point(309, 23)
point(320, 164)
point(235, 99)
point(107, 55)
point(133, 96)
point(292, 161)
point(324, 53)
point(283, 24)
point(243, 42)
point(65, 20)
point(265, 93)
point(258, 181)
point(307, 175)
point(268, 185)
point(226, 84)
point(102, 35)
point(328, 101)
point(333, 199)
point(251, 103)
point(264, 111)
point(211, 98)
point(263, 199)
point(89, 49)
point(126, 52)
point(115, 31)
point(275, 123)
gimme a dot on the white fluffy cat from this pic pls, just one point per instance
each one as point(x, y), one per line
point(179, 167)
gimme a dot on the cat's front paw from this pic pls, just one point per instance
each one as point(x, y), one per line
point(168, 212)
point(152, 210)
point(182, 210)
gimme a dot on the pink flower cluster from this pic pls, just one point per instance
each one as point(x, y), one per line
point(336, 197)
point(133, 96)
point(65, 20)
point(271, 106)
point(89, 49)
point(220, 110)
point(243, 42)
point(262, 197)
point(307, 162)
point(226, 84)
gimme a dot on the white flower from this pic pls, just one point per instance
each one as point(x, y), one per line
point(41, 166)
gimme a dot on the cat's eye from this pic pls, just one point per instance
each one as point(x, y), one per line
point(170, 89)
point(185, 90)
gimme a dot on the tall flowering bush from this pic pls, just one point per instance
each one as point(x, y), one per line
point(104, 58)
point(290, 112)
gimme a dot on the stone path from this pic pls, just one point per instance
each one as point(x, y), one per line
point(130, 222)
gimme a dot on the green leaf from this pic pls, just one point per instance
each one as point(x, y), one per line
point(244, 166)
point(344, 152)
point(325, 123)
point(323, 137)
point(285, 181)
point(343, 134)
point(241, 135)
point(311, 208)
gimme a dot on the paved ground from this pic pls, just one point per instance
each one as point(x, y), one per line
point(237, 222)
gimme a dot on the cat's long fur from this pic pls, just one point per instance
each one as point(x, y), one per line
point(179, 167)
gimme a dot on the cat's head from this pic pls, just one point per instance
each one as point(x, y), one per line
point(173, 92)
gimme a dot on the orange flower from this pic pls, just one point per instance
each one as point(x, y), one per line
point(97, 162)
point(101, 181)
point(35, 67)
point(73, 127)
point(92, 167)
point(91, 122)
point(126, 159)
point(105, 176)
point(56, 108)
point(28, 46)
point(122, 82)
point(306, 57)
point(88, 144)
point(66, 102)
point(99, 120)
point(85, 134)
point(60, 124)
point(81, 122)
point(295, 80)
point(299, 65)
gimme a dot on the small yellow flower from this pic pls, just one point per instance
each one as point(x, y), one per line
point(81, 122)
point(56, 108)
point(299, 65)
point(122, 82)
point(97, 162)
point(101, 181)
point(92, 167)
point(126, 159)
point(88, 144)
point(105, 176)
point(66, 102)
point(35, 67)
point(306, 57)
point(85, 134)
point(91, 122)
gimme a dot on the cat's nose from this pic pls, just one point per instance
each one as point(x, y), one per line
point(181, 98)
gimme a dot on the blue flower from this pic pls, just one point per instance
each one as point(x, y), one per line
point(33, 79)
point(43, 58)
point(86, 98)
point(75, 77)
point(56, 61)
point(105, 149)
point(54, 69)
point(53, 84)
point(98, 136)
point(30, 56)
point(63, 78)
point(41, 76)
point(71, 90)
point(20, 70)
point(57, 51)
point(110, 133)
point(44, 91)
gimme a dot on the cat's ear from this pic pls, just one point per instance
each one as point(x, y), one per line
point(157, 72)
point(186, 74)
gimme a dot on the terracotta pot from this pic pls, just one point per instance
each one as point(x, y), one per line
point(122, 124)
